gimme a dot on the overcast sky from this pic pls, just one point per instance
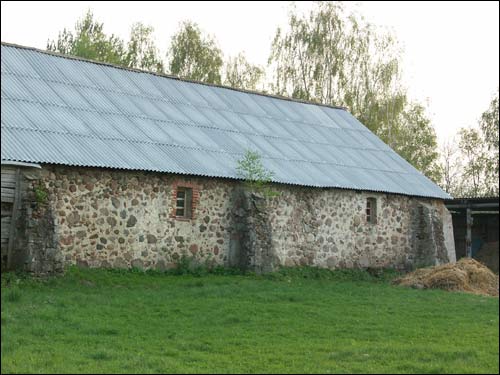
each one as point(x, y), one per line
point(451, 50)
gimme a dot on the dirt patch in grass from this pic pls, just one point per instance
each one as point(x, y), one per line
point(466, 275)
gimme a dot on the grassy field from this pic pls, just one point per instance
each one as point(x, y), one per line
point(303, 321)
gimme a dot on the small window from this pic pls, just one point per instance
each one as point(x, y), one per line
point(371, 210)
point(183, 203)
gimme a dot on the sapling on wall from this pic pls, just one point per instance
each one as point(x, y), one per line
point(257, 178)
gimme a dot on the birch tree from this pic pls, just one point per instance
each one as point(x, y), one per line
point(451, 166)
point(336, 58)
point(142, 52)
point(239, 73)
point(88, 40)
point(195, 56)
point(489, 128)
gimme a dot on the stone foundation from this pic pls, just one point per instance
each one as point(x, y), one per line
point(115, 218)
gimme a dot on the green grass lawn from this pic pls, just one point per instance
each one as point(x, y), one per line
point(98, 321)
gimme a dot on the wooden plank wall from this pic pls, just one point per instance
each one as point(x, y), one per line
point(5, 231)
point(8, 185)
point(11, 196)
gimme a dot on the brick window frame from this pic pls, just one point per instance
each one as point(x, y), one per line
point(195, 198)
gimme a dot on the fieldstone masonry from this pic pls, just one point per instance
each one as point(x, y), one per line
point(42, 253)
point(115, 218)
point(251, 245)
point(328, 228)
point(428, 236)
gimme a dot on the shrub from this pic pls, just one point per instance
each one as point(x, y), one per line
point(41, 194)
point(256, 176)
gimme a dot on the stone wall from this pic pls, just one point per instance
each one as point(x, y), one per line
point(329, 228)
point(116, 218)
point(109, 218)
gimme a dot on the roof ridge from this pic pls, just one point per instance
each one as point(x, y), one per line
point(164, 75)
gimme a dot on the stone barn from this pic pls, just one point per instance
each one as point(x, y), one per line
point(113, 167)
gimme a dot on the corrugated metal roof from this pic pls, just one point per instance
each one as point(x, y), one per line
point(69, 111)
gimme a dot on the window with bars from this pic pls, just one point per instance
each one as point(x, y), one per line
point(371, 210)
point(183, 203)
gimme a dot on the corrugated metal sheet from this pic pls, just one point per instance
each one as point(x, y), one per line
point(74, 112)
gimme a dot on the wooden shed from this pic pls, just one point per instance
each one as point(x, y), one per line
point(475, 227)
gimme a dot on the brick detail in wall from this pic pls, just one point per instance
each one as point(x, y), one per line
point(195, 198)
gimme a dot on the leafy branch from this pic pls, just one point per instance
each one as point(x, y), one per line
point(256, 176)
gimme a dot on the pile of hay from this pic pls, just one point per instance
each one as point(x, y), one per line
point(467, 275)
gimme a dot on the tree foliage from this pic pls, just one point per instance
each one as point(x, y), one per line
point(473, 150)
point(191, 54)
point(250, 168)
point(255, 175)
point(241, 74)
point(89, 41)
point(336, 58)
point(489, 127)
point(415, 140)
point(470, 165)
point(142, 52)
point(477, 173)
point(451, 166)
point(194, 56)
point(489, 124)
